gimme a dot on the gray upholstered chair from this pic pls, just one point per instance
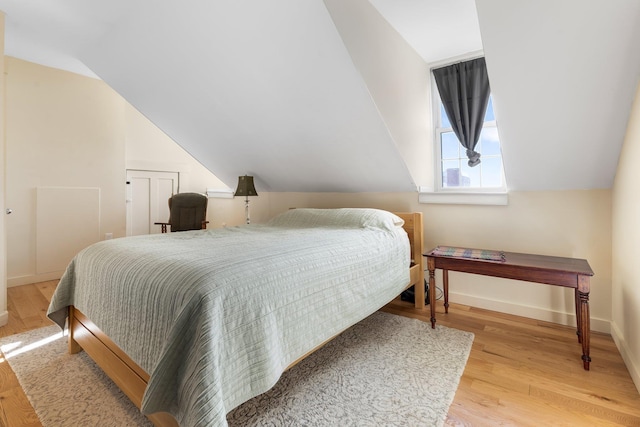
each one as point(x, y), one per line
point(187, 211)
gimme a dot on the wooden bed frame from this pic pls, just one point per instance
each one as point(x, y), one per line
point(133, 380)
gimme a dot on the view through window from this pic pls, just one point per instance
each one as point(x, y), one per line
point(455, 172)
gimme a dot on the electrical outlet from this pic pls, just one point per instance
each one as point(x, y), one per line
point(108, 236)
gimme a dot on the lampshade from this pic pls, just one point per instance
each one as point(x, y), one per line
point(245, 186)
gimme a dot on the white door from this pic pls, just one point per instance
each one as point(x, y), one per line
point(148, 195)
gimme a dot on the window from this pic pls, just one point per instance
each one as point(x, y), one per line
point(453, 172)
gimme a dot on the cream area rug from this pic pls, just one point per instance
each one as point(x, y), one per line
point(386, 370)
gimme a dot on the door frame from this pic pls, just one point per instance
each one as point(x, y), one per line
point(151, 175)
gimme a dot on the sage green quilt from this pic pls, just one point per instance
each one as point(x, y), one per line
point(215, 316)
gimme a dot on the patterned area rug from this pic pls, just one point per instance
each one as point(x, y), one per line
point(386, 370)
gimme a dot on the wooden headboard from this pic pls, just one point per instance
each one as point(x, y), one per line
point(413, 227)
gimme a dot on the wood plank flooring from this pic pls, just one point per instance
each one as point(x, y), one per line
point(27, 306)
point(525, 372)
point(521, 372)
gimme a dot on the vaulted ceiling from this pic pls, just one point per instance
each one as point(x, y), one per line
point(304, 96)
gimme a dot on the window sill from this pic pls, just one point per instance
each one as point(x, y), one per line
point(461, 198)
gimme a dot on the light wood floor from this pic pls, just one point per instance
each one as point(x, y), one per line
point(521, 372)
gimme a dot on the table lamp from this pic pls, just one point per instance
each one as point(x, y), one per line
point(246, 189)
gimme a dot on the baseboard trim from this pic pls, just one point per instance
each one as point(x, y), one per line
point(4, 318)
point(33, 278)
point(621, 343)
point(568, 319)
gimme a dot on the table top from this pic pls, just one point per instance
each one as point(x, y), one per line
point(532, 261)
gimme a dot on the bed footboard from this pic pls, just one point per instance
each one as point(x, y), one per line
point(123, 371)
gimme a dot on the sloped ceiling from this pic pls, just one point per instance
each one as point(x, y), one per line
point(252, 87)
point(270, 89)
point(437, 30)
point(263, 88)
point(563, 75)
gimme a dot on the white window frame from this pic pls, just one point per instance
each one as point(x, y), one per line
point(456, 195)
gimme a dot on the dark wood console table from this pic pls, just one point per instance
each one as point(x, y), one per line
point(550, 270)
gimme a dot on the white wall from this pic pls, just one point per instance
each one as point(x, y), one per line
point(62, 130)
point(4, 314)
point(625, 247)
point(397, 77)
point(68, 131)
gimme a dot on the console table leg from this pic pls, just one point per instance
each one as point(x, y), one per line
point(585, 327)
point(445, 286)
point(431, 266)
point(578, 317)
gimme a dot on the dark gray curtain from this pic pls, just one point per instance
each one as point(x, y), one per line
point(464, 91)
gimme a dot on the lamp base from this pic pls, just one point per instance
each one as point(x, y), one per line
point(246, 209)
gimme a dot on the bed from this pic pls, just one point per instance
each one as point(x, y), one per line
point(190, 325)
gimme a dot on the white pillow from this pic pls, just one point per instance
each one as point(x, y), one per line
point(344, 217)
